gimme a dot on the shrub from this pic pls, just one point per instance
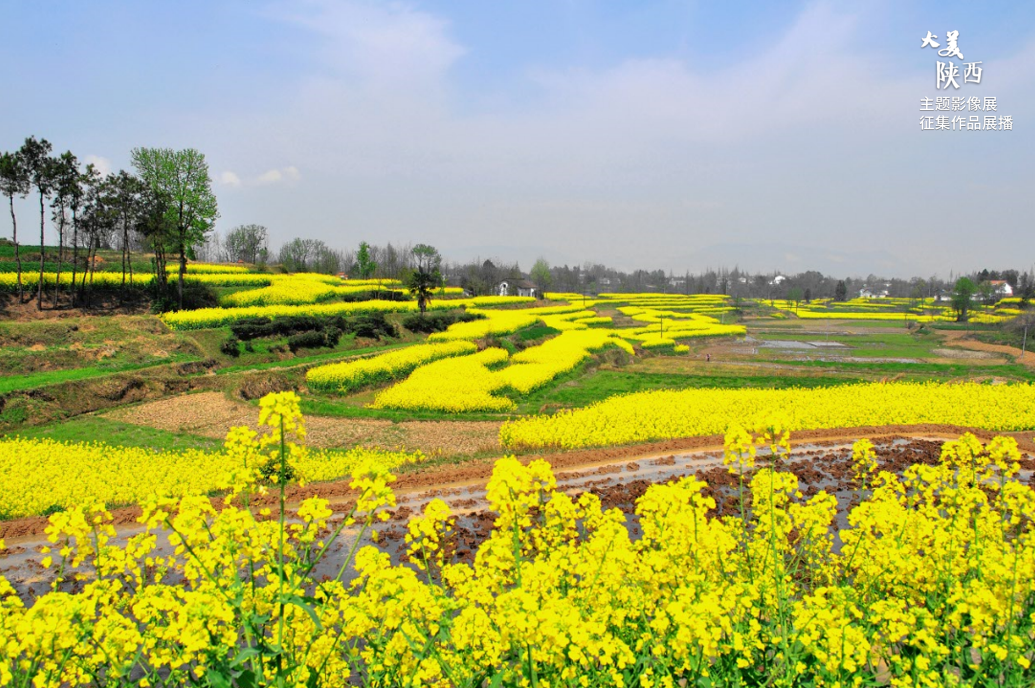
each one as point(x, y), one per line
point(252, 328)
point(332, 335)
point(231, 347)
point(436, 322)
point(372, 326)
point(312, 339)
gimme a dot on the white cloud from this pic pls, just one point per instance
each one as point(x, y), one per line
point(230, 179)
point(390, 43)
point(102, 164)
point(270, 177)
point(274, 176)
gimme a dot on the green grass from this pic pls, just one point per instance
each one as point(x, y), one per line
point(925, 371)
point(98, 428)
point(13, 383)
point(329, 357)
point(535, 332)
point(598, 385)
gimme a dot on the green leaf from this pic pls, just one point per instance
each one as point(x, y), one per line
point(305, 605)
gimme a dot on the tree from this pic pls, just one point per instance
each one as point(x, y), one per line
point(808, 295)
point(247, 243)
point(67, 192)
point(794, 294)
point(364, 263)
point(986, 293)
point(540, 274)
point(182, 177)
point(1025, 323)
point(40, 168)
point(962, 297)
point(88, 182)
point(841, 291)
point(14, 181)
point(124, 194)
point(426, 276)
point(298, 255)
point(98, 220)
point(155, 225)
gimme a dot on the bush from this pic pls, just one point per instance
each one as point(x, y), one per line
point(332, 335)
point(252, 328)
point(375, 295)
point(372, 326)
point(436, 322)
point(231, 347)
point(312, 339)
point(294, 324)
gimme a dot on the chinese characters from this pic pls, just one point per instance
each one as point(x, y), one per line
point(947, 73)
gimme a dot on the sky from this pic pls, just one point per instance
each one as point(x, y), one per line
point(645, 134)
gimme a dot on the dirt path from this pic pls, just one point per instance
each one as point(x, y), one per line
point(473, 474)
point(959, 338)
point(212, 414)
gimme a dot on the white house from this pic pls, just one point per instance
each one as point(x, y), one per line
point(1002, 288)
point(516, 288)
point(776, 281)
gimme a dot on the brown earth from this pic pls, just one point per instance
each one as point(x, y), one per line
point(478, 471)
point(958, 338)
point(212, 414)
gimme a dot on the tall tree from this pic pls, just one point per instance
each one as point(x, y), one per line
point(247, 243)
point(364, 262)
point(14, 181)
point(962, 298)
point(124, 192)
point(66, 179)
point(299, 255)
point(155, 225)
point(88, 181)
point(426, 276)
point(841, 291)
point(181, 176)
point(40, 168)
point(540, 274)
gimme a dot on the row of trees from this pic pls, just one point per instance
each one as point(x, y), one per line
point(242, 244)
point(167, 207)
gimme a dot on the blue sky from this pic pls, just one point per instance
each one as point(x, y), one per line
point(681, 135)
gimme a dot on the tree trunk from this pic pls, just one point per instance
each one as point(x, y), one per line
point(75, 253)
point(95, 244)
point(125, 248)
point(61, 241)
point(183, 269)
point(17, 256)
point(82, 284)
point(39, 290)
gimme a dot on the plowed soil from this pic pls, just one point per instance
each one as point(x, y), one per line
point(957, 338)
point(212, 414)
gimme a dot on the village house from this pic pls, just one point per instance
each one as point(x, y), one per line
point(1002, 288)
point(516, 288)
